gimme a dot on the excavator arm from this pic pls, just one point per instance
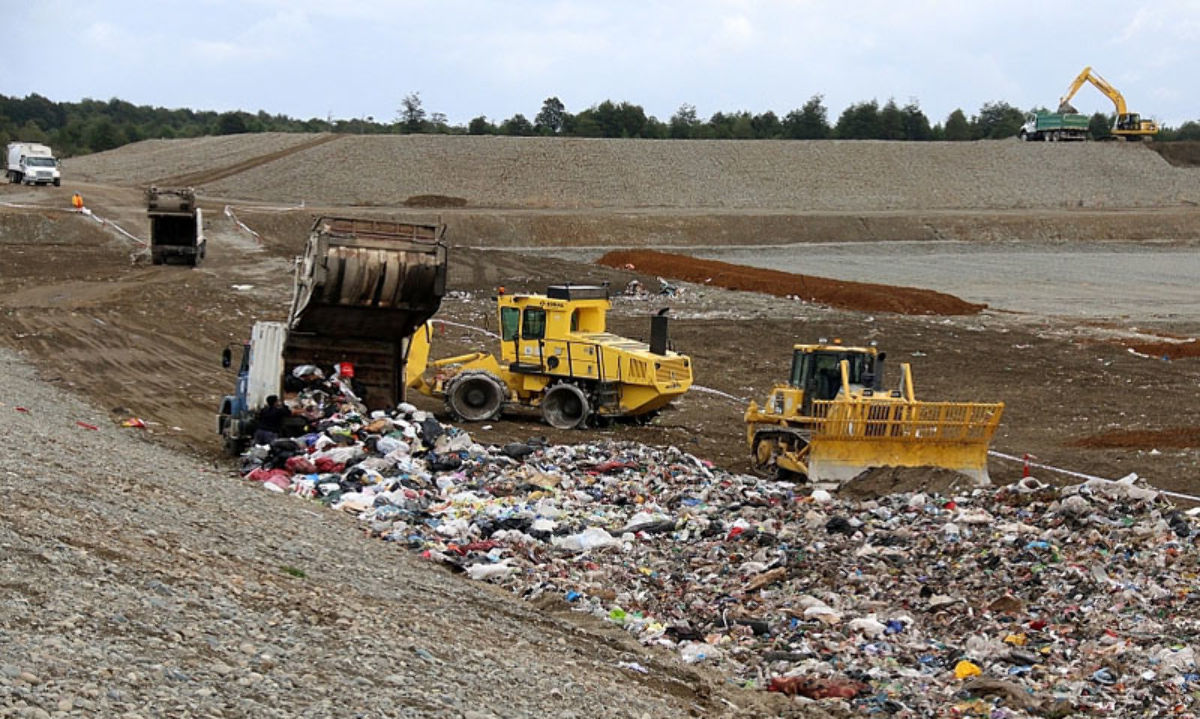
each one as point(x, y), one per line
point(1129, 124)
point(1087, 75)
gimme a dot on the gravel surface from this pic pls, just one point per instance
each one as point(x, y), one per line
point(799, 176)
point(143, 163)
point(143, 583)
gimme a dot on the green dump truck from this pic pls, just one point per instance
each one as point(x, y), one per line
point(1055, 126)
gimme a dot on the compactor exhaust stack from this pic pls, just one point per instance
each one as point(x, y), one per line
point(659, 336)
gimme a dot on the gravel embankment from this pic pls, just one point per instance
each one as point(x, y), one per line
point(573, 173)
point(143, 163)
point(143, 583)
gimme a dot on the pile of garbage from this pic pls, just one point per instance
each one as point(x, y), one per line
point(1025, 600)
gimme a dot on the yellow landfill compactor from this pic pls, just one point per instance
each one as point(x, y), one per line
point(833, 420)
point(557, 357)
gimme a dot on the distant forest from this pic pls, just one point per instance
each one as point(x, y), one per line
point(78, 128)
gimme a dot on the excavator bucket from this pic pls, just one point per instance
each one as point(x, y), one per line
point(851, 436)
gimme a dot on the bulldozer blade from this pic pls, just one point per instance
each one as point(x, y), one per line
point(858, 436)
point(839, 461)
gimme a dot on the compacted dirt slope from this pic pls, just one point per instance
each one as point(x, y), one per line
point(80, 303)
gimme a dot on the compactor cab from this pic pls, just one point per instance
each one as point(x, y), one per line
point(834, 419)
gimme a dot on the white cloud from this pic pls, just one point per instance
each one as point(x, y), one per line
point(736, 31)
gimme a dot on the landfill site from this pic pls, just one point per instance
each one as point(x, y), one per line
point(510, 540)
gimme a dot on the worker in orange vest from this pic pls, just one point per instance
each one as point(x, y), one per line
point(77, 201)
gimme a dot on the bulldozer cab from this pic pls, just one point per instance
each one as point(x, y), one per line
point(816, 371)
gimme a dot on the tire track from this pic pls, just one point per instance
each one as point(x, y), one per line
point(203, 177)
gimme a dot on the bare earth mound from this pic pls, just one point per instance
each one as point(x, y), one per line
point(882, 481)
point(860, 296)
point(1170, 350)
point(1174, 438)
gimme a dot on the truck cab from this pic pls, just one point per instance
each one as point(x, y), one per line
point(31, 163)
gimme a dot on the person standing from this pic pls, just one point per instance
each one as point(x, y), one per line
point(270, 420)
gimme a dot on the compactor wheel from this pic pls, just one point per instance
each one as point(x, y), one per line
point(565, 406)
point(475, 396)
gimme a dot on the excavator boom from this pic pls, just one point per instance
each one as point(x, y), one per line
point(1128, 123)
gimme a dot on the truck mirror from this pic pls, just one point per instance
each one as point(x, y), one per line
point(226, 358)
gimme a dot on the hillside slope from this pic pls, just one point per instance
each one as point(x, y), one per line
point(575, 173)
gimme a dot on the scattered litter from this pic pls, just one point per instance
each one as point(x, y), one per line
point(85, 425)
point(1018, 601)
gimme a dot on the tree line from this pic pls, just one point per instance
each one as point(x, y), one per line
point(76, 128)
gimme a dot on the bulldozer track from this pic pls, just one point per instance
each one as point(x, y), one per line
point(195, 179)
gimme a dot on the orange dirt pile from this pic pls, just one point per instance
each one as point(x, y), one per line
point(862, 296)
point(1175, 438)
point(1170, 350)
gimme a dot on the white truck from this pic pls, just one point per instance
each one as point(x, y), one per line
point(31, 163)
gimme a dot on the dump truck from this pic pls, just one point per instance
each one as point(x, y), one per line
point(558, 358)
point(833, 420)
point(360, 291)
point(176, 226)
point(31, 163)
point(1054, 127)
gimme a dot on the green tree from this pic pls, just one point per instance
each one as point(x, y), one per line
point(32, 132)
point(767, 126)
point(619, 120)
point(231, 123)
point(103, 135)
point(742, 127)
point(518, 124)
point(1100, 125)
point(891, 122)
point(998, 120)
point(656, 129)
point(916, 124)
point(411, 115)
point(860, 121)
point(684, 122)
point(550, 119)
point(957, 128)
point(480, 126)
point(1189, 130)
point(808, 123)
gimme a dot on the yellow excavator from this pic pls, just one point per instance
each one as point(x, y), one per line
point(833, 420)
point(1129, 125)
point(557, 357)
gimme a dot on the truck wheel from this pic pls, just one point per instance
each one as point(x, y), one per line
point(58, 182)
point(565, 406)
point(475, 396)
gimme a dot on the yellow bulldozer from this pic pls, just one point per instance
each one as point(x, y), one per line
point(833, 420)
point(557, 357)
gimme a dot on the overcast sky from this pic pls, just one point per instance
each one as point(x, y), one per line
point(358, 58)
